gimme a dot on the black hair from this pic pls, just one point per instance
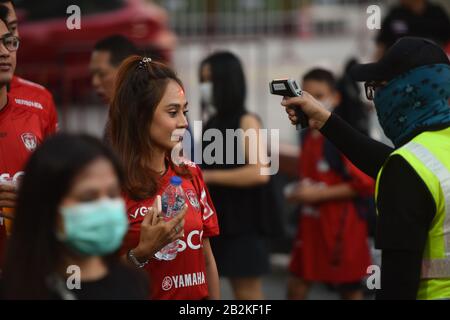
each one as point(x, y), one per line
point(7, 1)
point(4, 11)
point(119, 48)
point(321, 75)
point(228, 80)
point(33, 252)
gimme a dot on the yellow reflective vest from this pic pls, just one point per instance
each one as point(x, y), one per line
point(429, 155)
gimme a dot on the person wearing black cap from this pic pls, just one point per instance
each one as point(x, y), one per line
point(410, 86)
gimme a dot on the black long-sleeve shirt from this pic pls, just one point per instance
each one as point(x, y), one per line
point(405, 208)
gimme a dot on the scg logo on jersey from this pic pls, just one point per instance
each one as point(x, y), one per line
point(7, 176)
point(142, 211)
point(193, 241)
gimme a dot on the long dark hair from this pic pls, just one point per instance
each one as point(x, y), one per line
point(139, 88)
point(228, 80)
point(33, 251)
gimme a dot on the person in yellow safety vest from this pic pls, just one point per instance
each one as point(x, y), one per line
point(410, 86)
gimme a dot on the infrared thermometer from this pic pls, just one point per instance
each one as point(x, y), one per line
point(290, 88)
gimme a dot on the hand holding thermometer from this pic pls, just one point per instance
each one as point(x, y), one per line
point(290, 88)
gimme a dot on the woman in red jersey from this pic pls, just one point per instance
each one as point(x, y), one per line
point(148, 120)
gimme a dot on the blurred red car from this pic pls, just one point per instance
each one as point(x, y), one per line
point(58, 58)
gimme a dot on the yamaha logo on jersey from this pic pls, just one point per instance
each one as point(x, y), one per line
point(29, 140)
point(167, 284)
point(183, 281)
point(193, 199)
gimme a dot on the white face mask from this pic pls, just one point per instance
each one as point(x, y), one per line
point(94, 228)
point(206, 93)
point(206, 96)
point(327, 104)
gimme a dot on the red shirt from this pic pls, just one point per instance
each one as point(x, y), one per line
point(25, 121)
point(183, 278)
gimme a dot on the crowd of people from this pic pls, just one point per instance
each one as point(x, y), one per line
point(73, 200)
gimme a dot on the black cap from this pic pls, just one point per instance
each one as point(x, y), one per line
point(406, 54)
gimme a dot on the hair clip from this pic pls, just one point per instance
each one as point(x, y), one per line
point(143, 62)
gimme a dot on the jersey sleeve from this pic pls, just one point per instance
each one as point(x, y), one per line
point(360, 182)
point(52, 125)
point(209, 215)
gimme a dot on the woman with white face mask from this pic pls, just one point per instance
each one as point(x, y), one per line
point(240, 192)
point(70, 222)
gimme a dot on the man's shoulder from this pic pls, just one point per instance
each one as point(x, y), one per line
point(18, 82)
point(27, 89)
point(31, 96)
point(24, 107)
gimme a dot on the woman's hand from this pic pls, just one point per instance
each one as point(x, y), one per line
point(310, 194)
point(156, 233)
point(307, 193)
point(316, 113)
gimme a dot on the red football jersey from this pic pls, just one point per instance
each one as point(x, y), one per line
point(183, 278)
point(25, 121)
